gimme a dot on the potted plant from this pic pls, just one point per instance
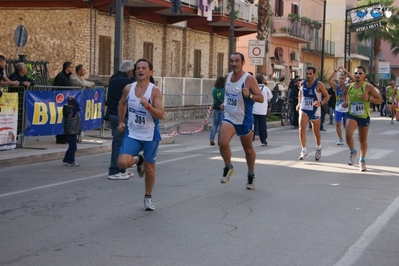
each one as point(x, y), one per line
point(316, 24)
point(306, 21)
point(293, 17)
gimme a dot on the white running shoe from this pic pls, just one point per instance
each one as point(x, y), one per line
point(118, 176)
point(303, 155)
point(352, 157)
point(317, 155)
point(227, 173)
point(251, 182)
point(148, 205)
point(362, 166)
point(340, 142)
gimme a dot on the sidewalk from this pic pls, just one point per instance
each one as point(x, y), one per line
point(41, 149)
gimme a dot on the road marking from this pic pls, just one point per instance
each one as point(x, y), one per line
point(377, 154)
point(356, 250)
point(390, 132)
point(233, 149)
point(81, 179)
point(189, 148)
point(280, 150)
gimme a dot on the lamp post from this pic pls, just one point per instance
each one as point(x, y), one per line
point(323, 38)
point(231, 36)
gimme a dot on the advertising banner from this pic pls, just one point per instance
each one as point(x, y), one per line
point(8, 121)
point(44, 110)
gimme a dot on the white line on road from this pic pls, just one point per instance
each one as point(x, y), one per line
point(80, 179)
point(371, 233)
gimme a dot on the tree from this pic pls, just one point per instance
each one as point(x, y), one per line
point(264, 26)
point(386, 32)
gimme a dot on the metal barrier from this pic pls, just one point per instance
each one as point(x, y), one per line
point(21, 125)
point(37, 70)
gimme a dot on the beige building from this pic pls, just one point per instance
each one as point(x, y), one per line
point(193, 44)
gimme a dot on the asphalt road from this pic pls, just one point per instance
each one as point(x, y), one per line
point(301, 212)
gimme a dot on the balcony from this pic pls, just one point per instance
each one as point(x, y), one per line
point(316, 45)
point(293, 31)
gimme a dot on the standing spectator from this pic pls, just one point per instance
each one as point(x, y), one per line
point(390, 91)
point(4, 81)
point(260, 110)
point(143, 101)
point(383, 106)
point(293, 101)
point(20, 75)
point(78, 79)
point(331, 105)
point(242, 91)
point(116, 85)
point(62, 79)
point(72, 128)
point(218, 98)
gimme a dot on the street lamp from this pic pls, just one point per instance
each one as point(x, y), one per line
point(323, 41)
point(231, 36)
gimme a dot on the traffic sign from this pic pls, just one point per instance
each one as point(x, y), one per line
point(384, 70)
point(256, 61)
point(256, 49)
point(20, 36)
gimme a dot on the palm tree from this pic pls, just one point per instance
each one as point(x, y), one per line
point(385, 32)
point(264, 25)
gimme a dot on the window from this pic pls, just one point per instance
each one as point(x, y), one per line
point(220, 61)
point(148, 48)
point(104, 57)
point(197, 63)
point(294, 9)
point(279, 8)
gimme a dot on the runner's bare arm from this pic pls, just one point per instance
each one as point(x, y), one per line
point(323, 90)
point(252, 90)
point(157, 108)
point(374, 96)
point(122, 108)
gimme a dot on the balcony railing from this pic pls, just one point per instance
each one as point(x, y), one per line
point(292, 28)
point(316, 45)
point(243, 10)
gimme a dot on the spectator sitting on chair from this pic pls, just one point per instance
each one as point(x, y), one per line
point(78, 78)
point(20, 76)
point(4, 81)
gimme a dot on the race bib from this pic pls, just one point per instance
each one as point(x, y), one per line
point(357, 108)
point(339, 103)
point(137, 118)
point(232, 101)
point(307, 103)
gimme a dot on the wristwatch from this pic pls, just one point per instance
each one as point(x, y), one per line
point(250, 96)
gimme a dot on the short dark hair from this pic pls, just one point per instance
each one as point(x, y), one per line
point(311, 68)
point(144, 60)
point(219, 83)
point(65, 65)
point(259, 78)
point(2, 57)
point(362, 68)
point(78, 68)
point(240, 54)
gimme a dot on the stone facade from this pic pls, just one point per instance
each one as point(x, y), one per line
point(57, 35)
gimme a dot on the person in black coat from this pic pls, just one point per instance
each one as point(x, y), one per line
point(293, 101)
point(331, 105)
point(20, 76)
point(62, 79)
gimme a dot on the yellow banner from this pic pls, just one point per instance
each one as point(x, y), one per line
point(8, 121)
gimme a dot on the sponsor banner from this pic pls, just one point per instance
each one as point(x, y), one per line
point(44, 110)
point(367, 17)
point(8, 121)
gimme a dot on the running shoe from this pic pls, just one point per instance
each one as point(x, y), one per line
point(352, 157)
point(74, 164)
point(362, 166)
point(140, 166)
point(148, 205)
point(317, 155)
point(251, 182)
point(118, 176)
point(303, 155)
point(340, 142)
point(392, 122)
point(128, 174)
point(227, 173)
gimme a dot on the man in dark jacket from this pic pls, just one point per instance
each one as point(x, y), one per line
point(62, 79)
point(20, 76)
point(116, 85)
point(293, 101)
